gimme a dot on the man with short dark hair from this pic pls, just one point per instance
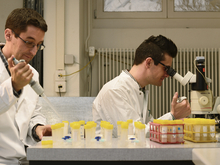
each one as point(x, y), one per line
point(21, 121)
point(125, 97)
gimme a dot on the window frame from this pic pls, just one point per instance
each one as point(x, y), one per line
point(188, 14)
point(176, 20)
point(100, 14)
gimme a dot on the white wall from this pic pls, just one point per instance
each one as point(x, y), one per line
point(183, 37)
point(72, 45)
point(6, 7)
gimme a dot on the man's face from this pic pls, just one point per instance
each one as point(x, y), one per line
point(159, 71)
point(20, 49)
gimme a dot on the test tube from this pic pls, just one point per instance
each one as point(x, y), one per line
point(204, 129)
point(75, 131)
point(141, 134)
point(54, 133)
point(103, 128)
point(88, 131)
point(179, 129)
point(82, 123)
point(124, 134)
point(119, 129)
point(59, 133)
point(108, 134)
point(93, 124)
point(197, 129)
point(163, 131)
point(172, 131)
point(65, 128)
point(212, 129)
point(130, 127)
point(136, 129)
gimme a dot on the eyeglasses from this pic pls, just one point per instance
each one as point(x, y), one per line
point(170, 71)
point(31, 44)
point(167, 68)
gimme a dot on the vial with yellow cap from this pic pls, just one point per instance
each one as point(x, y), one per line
point(108, 134)
point(88, 134)
point(119, 129)
point(65, 128)
point(141, 134)
point(130, 127)
point(102, 125)
point(123, 142)
point(75, 134)
point(54, 133)
point(60, 132)
point(93, 124)
point(82, 123)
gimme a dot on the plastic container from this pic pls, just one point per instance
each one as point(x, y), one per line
point(102, 124)
point(141, 137)
point(54, 133)
point(82, 123)
point(65, 128)
point(171, 137)
point(57, 133)
point(123, 142)
point(119, 129)
point(47, 143)
point(130, 127)
point(75, 134)
point(88, 134)
point(179, 130)
point(211, 129)
point(108, 134)
point(137, 128)
point(200, 130)
point(167, 131)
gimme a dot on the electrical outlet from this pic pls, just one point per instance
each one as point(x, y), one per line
point(91, 51)
point(60, 86)
point(58, 75)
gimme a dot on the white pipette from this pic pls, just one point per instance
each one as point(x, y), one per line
point(34, 84)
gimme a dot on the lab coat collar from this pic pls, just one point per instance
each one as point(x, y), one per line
point(140, 88)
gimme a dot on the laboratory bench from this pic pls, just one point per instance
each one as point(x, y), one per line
point(153, 152)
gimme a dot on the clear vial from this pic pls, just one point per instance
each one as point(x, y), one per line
point(82, 123)
point(123, 142)
point(75, 134)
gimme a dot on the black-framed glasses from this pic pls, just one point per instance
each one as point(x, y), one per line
point(31, 44)
point(166, 67)
point(170, 71)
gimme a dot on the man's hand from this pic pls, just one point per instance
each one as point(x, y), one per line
point(180, 110)
point(44, 130)
point(21, 74)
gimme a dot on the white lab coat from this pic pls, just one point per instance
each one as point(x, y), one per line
point(119, 100)
point(17, 118)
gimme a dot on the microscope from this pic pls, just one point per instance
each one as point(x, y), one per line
point(201, 99)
